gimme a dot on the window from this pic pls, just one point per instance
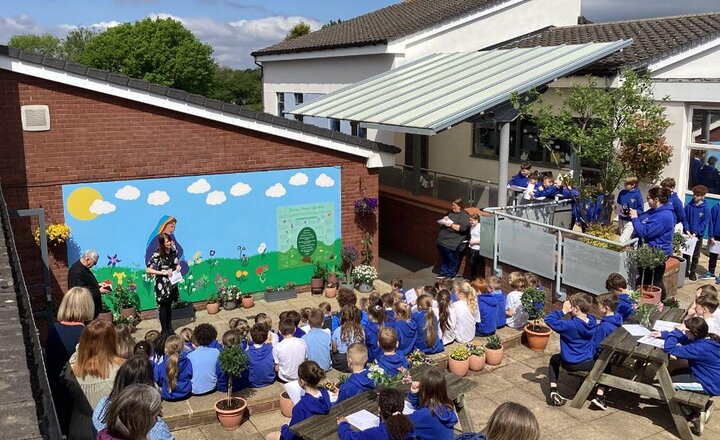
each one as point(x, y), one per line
point(524, 144)
point(281, 104)
point(416, 140)
point(299, 118)
point(298, 98)
point(706, 127)
point(357, 130)
point(335, 124)
point(705, 150)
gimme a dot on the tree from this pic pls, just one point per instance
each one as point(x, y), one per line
point(298, 30)
point(160, 51)
point(241, 87)
point(45, 44)
point(331, 23)
point(618, 131)
point(74, 43)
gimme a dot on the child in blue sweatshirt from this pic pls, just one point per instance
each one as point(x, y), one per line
point(495, 285)
point(521, 178)
point(345, 296)
point(261, 365)
point(677, 204)
point(314, 401)
point(393, 423)
point(629, 198)
point(187, 334)
point(577, 351)
point(713, 237)
point(607, 303)
point(697, 216)
point(428, 339)
point(358, 381)
point(617, 284)
point(388, 300)
point(390, 361)
point(487, 304)
point(434, 416)
point(231, 338)
point(204, 360)
point(405, 328)
point(174, 374)
point(377, 320)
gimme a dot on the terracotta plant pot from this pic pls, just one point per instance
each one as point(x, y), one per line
point(105, 316)
point(494, 357)
point(128, 312)
point(330, 292)
point(212, 308)
point(230, 419)
point(537, 340)
point(248, 301)
point(477, 363)
point(286, 405)
point(459, 368)
point(316, 285)
point(650, 294)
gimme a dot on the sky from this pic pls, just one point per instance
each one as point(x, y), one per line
point(234, 28)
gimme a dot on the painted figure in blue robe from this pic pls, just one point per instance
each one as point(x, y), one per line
point(166, 225)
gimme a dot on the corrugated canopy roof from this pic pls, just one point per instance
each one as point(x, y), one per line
point(438, 91)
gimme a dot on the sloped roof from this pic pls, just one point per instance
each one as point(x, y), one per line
point(381, 26)
point(653, 38)
point(119, 80)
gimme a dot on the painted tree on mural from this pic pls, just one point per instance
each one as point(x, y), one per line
point(617, 132)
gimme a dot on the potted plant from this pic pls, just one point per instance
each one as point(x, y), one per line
point(248, 300)
point(126, 300)
point(477, 357)
point(105, 311)
point(232, 294)
point(493, 350)
point(350, 255)
point(417, 357)
point(182, 313)
point(286, 405)
point(281, 293)
point(212, 306)
point(459, 362)
point(330, 289)
point(538, 335)
point(364, 275)
point(318, 279)
point(645, 258)
point(366, 206)
point(678, 244)
point(233, 361)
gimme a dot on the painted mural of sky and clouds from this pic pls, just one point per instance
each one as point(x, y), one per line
point(234, 28)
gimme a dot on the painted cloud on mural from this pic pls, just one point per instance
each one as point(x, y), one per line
point(240, 189)
point(298, 179)
point(276, 190)
point(216, 198)
point(324, 181)
point(127, 192)
point(158, 198)
point(200, 186)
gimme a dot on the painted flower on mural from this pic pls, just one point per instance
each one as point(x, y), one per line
point(262, 272)
point(113, 260)
point(119, 276)
point(262, 248)
point(212, 252)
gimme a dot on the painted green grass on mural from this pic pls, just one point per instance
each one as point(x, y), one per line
point(251, 275)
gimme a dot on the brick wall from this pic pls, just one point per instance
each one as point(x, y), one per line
point(96, 137)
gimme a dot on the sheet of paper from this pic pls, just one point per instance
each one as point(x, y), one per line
point(411, 296)
point(363, 420)
point(445, 221)
point(294, 391)
point(714, 248)
point(665, 326)
point(649, 340)
point(175, 277)
point(636, 329)
point(408, 409)
point(690, 246)
point(516, 188)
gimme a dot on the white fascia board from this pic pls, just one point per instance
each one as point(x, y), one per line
point(371, 49)
point(706, 92)
point(681, 56)
point(95, 85)
point(400, 45)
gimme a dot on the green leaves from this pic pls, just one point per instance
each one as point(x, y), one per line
point(298, 30)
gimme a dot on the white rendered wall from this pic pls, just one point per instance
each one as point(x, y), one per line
point(702, 65)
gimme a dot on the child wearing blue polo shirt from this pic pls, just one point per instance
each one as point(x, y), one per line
point(204, 360)
point(390, 361)
point(607, 304)
point(434, 416)
point(260, 358)
point(617, 284)
point(697, 216)
point(577, 351)
point(318, 340)
point(358, 381)
point(496, 286)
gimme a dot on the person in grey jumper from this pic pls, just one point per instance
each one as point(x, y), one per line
point(452, 238)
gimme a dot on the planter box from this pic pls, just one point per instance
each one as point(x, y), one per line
point(183, 316)
point(280, 295)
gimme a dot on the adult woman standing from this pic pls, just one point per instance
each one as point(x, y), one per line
point(89, 375)
point(162, 264)
point(77, 308)
point(452, 238)
point(655, 228)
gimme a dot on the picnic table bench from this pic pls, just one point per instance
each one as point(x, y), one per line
point(324, 427)
point(653, 362)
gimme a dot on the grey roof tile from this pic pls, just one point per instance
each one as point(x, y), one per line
point(74, 67)
point(116, 78)
point(177, 94)
point(157, 88)
point(53, 62)
point(31, 56)
point(97, 73)
point(195, 99)
point(138, 84)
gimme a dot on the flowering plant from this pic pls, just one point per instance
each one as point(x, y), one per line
point(417, 357)
point(378, 375)
point(56, 233)
point(366, 205)
point(475, 350)
point(460, 353)
point(231, 293)
point(364, 273)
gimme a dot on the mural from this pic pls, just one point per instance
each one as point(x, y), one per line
point(254, 229)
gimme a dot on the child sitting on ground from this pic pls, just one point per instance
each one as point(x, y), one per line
point(243, 329)
point(318, 341)
point(496, 286)
point(327, 311)
point(345, 296)
point(296, 318)
point(264, 319)
point(143, 348)
point(405, 328)
point(577, 351)
point(434, 416)
point(488, 308)
point(174, 374)
point(390, 361)
point(617, 284)
point(607, 303)
point(465, 314)
point(387, 301)
point(358, 381)
point(396, 284)
point(260, 360)
point(304, 316)
point(377, 316)
point(289, 353)
point(350, 332)
point(442, 311)
point(428, 338)
point(394, 425)
point(204, 360)
point(516, 315)
point(314, 401)
point(159, 349)
point(232, 338)
point(186, 333)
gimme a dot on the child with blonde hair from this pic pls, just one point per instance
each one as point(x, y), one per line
point(465, 314)
point(125, 341)
point(405, 327)
point(517, 317)
point(187, 335)
point(174, 374)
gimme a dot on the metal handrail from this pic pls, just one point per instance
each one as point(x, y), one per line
point(440, 173)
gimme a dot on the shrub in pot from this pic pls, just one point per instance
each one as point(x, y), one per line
point(459, 362)
point(233, 361)
point(126, 300)
point(538, 335)
point(212, 306)
point(318, 279)
point(477, 357)
point(645, 258)
point(493, 350)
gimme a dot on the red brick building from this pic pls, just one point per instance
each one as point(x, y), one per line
point(106, 126)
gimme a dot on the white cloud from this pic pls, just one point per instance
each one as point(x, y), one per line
point(127, 192)
point(100, 207)
point(324, 181)
point(215, 198)
point(199, 186)
point(240, 189)
point(298, 179)
point(276, 190)
point(158, 198)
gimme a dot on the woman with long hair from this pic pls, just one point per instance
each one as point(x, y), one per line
point(89, 375)
point(132, 414)
point(162, 264)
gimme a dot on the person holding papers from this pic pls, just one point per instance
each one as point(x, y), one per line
point(452, 238)
point(163, 262)
point(394, 425)
point(697, 216)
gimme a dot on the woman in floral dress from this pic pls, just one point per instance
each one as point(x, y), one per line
point(162, 264)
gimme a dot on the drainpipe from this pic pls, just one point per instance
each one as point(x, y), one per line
point(504, 163)
point(262, 83)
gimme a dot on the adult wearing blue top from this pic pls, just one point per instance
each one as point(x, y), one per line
point(655, 228)
point(451, 240)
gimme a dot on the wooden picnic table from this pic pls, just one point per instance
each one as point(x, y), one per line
point(652, 361)
point(324, 427)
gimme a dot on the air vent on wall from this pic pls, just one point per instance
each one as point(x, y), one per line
point(35, 117)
